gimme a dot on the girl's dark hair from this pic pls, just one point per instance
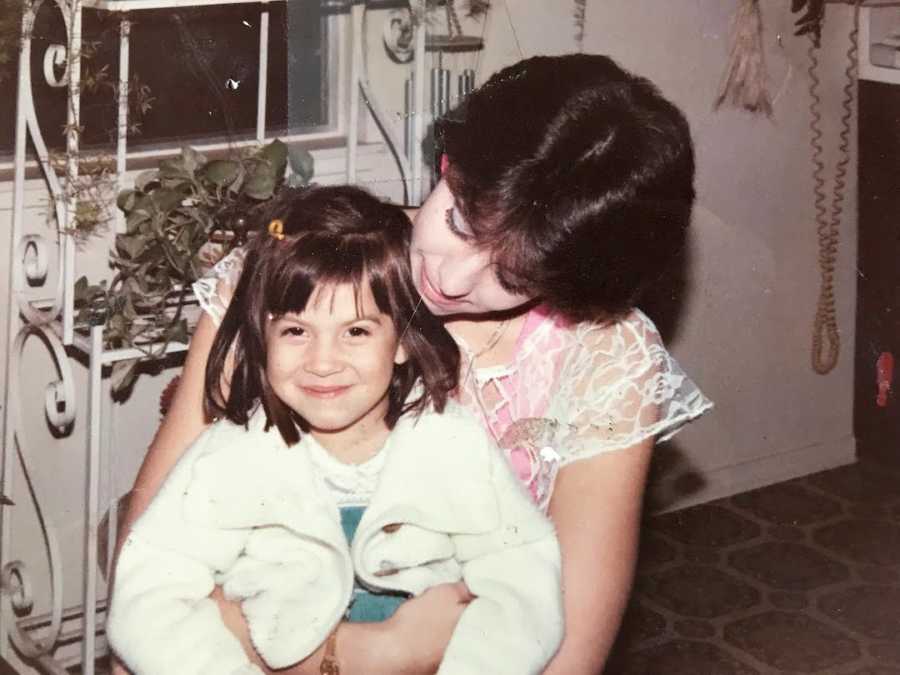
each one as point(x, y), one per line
point(577, 176)
point(332, 235)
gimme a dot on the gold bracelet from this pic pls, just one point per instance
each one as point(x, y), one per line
point(329, 665)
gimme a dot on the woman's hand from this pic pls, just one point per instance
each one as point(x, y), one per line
point(412, 642)
point(418, 633)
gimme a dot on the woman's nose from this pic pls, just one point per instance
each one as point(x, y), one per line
point(457, 277)
point(323, 358)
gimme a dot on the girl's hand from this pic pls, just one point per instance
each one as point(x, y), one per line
point(419, 631)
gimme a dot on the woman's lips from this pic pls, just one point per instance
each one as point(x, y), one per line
point(325, 392)
point(435, 296)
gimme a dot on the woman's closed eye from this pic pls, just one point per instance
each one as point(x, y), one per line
point(458, 225)
point(511, 282)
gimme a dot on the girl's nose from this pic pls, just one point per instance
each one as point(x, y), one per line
point(323, 358)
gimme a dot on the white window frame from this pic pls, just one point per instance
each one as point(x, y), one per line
point(335, 132)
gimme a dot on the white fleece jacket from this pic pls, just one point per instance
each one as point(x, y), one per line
point(243, 510)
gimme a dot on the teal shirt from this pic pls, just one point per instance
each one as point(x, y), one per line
point(365, 605)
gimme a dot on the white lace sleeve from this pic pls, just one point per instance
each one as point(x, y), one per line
point(620, 386)
point(213, 291)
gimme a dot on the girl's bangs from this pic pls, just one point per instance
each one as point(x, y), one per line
point(308, 267)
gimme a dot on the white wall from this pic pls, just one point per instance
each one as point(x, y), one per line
point(745, 331)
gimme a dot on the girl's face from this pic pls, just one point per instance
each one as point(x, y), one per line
point(451, 274)
point(332, 363)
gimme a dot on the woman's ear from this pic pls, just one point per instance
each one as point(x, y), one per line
point(400, 357)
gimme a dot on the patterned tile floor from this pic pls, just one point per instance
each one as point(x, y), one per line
point(798, 577)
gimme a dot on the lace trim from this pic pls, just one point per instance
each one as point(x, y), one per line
point(605, 387)
point(227, 271)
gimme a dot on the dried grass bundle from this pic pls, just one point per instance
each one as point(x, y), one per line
point(744, 84)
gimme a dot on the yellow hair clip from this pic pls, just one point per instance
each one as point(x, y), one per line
point(276, 229)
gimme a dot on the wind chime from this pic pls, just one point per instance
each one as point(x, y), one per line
point(442, 97)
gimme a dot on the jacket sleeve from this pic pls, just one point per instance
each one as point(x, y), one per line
point(161, 620)
point(292, 593)
point(515, 623)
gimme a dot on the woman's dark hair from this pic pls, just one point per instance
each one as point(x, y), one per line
point(577, 176)
point(331, 235)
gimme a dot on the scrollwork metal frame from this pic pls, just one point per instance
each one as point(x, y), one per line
point(51, 318)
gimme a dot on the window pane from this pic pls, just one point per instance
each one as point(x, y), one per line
point(196, 68)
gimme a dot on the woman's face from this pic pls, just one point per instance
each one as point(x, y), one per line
point(451, 274)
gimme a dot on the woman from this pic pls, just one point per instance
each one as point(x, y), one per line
point(567, 188)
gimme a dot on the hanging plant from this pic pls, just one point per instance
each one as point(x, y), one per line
point(180, 219)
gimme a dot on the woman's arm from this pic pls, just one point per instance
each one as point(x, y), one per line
point(182, 424)
point(596, 507)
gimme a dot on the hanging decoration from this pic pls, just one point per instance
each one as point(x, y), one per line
point(579, 14)
point(826, 339)
point(811, 22)
point(744, 83)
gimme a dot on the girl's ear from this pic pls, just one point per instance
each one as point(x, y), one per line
point(400, 357)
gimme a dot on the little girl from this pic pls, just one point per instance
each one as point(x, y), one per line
point(339, 478)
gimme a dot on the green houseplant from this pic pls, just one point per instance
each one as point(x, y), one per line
point(180, 217)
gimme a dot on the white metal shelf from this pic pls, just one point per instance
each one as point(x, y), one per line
point(53, 321)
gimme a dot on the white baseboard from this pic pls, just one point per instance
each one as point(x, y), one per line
point(760, 472)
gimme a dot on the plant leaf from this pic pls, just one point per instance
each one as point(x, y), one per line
point(193, 160)
point(179, 332)
point(260, 185)
point(145, 179)
point(166, 199)
point(80, 290)
point(126, 200)
point(131, 245)
point(302, 163)
point(173, 168)
point(276, 154)
point(123, 375)
point(222, 172)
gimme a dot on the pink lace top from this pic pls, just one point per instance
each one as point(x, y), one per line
point(572, 391)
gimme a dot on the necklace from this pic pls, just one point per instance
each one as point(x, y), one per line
point(493, 340)
point(488, 346)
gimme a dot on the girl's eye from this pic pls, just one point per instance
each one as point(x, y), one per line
point(458, 225)
point(358, 331)
point(292, 331)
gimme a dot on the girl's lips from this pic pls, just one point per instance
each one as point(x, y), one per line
point(325, 392)
point(435, 296)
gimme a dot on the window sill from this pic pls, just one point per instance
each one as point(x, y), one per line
point(148, 159)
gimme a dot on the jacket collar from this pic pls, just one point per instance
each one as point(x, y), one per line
point(258, 480)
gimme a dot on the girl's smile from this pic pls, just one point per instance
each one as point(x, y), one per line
point(325, 392)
